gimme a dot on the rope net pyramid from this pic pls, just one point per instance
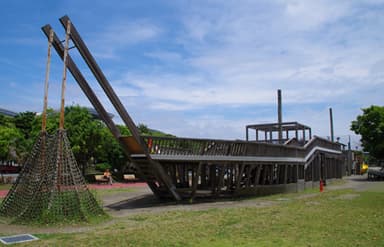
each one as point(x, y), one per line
point(50, 188)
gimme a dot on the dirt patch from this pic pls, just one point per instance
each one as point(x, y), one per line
point(306, 196)
point(311, 203)
point(348, 196)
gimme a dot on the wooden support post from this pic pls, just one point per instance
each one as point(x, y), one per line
point(297, 173)
point(248, 176)
point(265, 174)
point(257, 135)
point(257, 177)
point(203, 175)
point(212, 176)
point(320, 166)
point(239, 176)
point(312, 169)
point(220, 182)
point(196, 181)
point(310, 134)
point(173, 173)
point(191, 170)
point(327, 161)
point(229, 177)
point(63, 83)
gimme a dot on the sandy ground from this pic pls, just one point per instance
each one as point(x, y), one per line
point(141, 200)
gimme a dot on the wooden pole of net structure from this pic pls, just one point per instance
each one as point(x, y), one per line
point(44, 134)
point(46, 84)
point(64, 81)
point(62, 107)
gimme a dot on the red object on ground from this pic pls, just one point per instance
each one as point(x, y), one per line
point(321, 186)
point(3, 193)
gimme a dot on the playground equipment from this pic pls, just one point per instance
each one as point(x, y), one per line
point(185, 168)
point(50, 187)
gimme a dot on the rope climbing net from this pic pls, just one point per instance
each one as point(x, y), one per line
point(50, 187)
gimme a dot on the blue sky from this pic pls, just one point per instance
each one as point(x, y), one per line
point(206, 68)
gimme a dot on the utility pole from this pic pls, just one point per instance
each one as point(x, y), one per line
point(279, 115)
point(349, 165)
point(331, 124)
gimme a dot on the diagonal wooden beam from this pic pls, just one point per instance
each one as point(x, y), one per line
point(82, 83)
point(104, 83)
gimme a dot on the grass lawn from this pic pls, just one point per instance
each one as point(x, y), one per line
point(332, 218)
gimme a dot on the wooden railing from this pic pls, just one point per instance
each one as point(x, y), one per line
point(320, 142)
point(211, 147)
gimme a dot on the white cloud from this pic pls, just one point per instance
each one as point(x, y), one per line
point(120, 35)
point(165, 56)
point(236, 54)
point(308, 15)
point(240, 56)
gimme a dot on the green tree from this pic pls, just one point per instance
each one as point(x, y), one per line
point(83, 133)
point(52, 123)
point(10, 140)
point(110, 151)
point(6, 121)
point(13, 143)
point(124, 130)
point(143, 129)
point(370, 125)
point(24, 121)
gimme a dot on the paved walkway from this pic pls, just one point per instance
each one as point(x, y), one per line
point(3, 193)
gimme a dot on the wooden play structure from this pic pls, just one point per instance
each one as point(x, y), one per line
point(184, 168)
